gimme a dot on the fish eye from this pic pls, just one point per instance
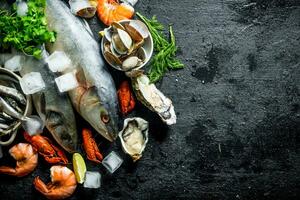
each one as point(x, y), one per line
point(105, 118)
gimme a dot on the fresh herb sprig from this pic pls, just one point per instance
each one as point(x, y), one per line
point(165, 57)
point(26, 33)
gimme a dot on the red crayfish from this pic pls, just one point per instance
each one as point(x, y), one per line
point(126, 98)
point(44, 147)
point(91, 147)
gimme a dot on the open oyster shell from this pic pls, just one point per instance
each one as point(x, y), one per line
point(154, 99)
point(134, 137)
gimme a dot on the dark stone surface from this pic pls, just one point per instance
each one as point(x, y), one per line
point(237, 101)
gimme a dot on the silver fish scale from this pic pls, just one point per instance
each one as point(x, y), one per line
point(76, 40)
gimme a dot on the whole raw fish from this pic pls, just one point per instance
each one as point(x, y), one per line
point(96, 98)
point(52, 106)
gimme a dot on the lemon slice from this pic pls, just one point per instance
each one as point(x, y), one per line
point(79, 167)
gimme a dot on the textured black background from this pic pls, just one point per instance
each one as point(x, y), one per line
point(238, 108)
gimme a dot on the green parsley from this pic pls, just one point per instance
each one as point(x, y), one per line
point(164, 58)
point(26, 33)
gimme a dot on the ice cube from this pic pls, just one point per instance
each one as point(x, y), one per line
point(14, 64)
point(22, 8)
point(58, 61)
point(32, 83)
point(112, 162)
point(34, 125)
point(1, 154)
point(66, 82)
point(92, 180)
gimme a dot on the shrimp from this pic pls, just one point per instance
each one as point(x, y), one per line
point(112, 11)
point(62, 185)
point(26, 157)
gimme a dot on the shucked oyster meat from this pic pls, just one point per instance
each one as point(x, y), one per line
point(134, 137)
point(154, 99)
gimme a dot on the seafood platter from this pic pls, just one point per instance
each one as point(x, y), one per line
point(57, 92)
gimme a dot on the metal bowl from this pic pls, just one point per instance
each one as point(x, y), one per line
point(27, 112)
point(148, 46)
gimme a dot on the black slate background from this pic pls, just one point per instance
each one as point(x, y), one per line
point(238, 108)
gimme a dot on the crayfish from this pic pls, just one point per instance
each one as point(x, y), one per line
point(44, 147)
point(91, 147)
point(126, 98)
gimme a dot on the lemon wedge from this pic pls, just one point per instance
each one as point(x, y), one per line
point(79, 167)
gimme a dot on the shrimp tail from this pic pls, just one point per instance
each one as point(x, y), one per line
point(8, 170)
point(40, 185)
point(18, 172)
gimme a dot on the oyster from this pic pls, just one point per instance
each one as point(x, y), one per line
point(154, 99)
point(134, 137)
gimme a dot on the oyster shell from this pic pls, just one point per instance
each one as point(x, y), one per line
point(154, 99)
point(112, 58)
point(141, 54)
point(134, 34)
point(140, 27)
point(118, 44)
point(121, 41)
point(113, 51)
point(108, 34)
point(134, 137)
point(117, 25)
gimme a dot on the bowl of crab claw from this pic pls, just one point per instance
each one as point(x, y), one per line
point(127, 45)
